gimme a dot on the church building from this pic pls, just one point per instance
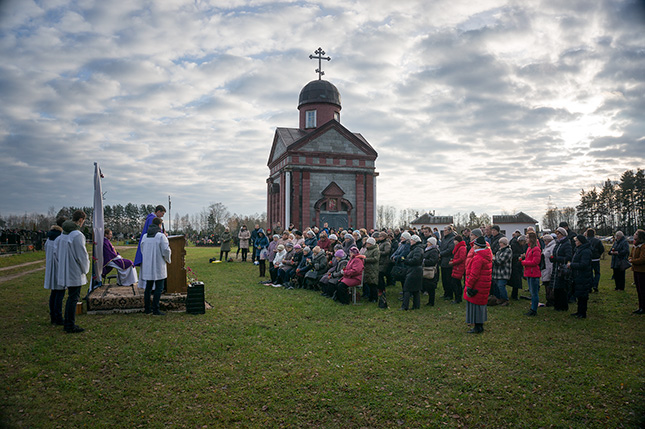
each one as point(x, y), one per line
point(321, 171)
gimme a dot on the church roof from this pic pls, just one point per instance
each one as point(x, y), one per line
point(319, 91)
point(293, 139)
point(519, 217)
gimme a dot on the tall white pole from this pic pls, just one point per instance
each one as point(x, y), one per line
point(287, 199)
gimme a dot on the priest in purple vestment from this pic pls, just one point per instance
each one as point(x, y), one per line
point(160, 211)
point(126, 274)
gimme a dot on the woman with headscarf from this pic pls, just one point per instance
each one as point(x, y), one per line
point(431, 258)
point(637, 259)
point(276, 262)
point(479, 275)
point(414, 276)
point(330, 279)
point(619, 259)
point(561, 278)
point(531, 263)
point(319, 265)
point(582, 274)
point(351, 275)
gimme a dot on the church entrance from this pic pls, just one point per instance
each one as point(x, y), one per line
point(334, 220)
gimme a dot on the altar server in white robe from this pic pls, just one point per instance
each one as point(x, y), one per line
point(73, 264)
point(156, 253)
point(51, 282)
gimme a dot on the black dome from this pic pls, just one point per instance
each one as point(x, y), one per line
point(319, 91)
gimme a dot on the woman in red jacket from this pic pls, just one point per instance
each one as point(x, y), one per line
point(458, 264)
point(479, 275)
point(352, 275)
point(531, 263)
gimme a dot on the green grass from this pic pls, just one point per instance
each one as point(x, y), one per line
point(271, 357)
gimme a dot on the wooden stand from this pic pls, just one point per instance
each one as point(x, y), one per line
point(176, 269)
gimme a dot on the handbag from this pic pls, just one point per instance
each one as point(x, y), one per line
point(399, 272)
point(429, 272)
point(624, 265)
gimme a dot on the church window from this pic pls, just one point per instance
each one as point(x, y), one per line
point(310, 119)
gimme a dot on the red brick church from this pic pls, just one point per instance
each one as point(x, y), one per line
point(321, 171)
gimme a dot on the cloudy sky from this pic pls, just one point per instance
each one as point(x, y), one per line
point(492, 106)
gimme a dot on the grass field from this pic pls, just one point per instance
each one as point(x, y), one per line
point(291, 358)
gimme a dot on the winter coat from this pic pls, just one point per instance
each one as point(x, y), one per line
point(226, 241)
point(372, 257)
point(244, 236)
point(384, 248)
point(581, 270)
point(279, 257)
point(261, 241)
point(622, 247)
point(72, 260)
point(562, 254)
point(516, 267)
point(548, 265)
point(531, 262)
point(335, 272)
point(479, 276)
point(431, 256)
point(353, 271)
point(324, 244)
point(494, 243)
point(502, 264)
point(272, 248)
point(445, 249)
point(414, 261)
point(597, 248)
point(318, 266)
point(458, 261)
point(638, 259)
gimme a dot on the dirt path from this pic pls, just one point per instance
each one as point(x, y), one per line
point(24, 273)
point(21, 265)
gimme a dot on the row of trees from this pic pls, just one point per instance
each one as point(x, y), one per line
point(616, 205)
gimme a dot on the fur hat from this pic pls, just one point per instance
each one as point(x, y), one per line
point(339, 253)
point(562, 231)
point(348, 236)
point(280, 247)
point(406, 235)
point(433, 240)
point(371, 240)
point(297, 246)
point(333, 237)
point(416, 238)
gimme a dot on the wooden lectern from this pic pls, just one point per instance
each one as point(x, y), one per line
point(176, 269)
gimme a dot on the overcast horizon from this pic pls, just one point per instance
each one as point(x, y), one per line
point(492, 107)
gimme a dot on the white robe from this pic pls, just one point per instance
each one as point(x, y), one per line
point(51, 281)
point(73, 262)
point(155, 252)
point(125, 277)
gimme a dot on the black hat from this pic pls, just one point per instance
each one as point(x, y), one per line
point(480, 241)
point(581, 238)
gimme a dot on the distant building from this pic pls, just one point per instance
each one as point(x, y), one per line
point(439, 222)
point(517, 222)
point(321, 171)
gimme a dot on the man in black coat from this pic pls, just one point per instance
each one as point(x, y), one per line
point(445, 250)
point(495, 236)
point(597, 249)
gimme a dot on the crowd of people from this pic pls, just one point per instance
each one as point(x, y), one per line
point(477, 266)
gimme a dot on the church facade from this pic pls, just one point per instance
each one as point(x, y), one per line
point(321, 172)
